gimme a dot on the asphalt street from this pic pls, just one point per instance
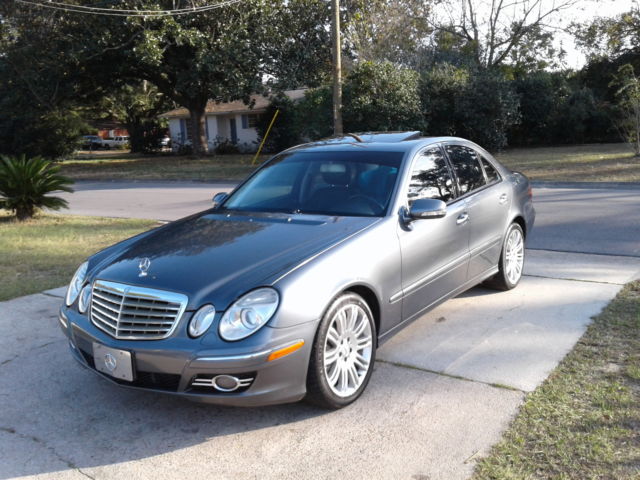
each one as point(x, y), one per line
point(587, 220)
point(582, 220)
point(443, 390)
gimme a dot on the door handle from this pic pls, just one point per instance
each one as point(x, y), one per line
point(462, 218)
point(503, 199)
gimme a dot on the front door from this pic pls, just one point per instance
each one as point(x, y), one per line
point(435, 252)
point(488, 206)
point(233, 129)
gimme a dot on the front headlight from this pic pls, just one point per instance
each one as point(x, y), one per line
point(248, 314)
point(201, 320)
point(85, 298)
point(76, 284)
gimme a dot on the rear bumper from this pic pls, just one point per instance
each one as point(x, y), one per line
point(161, 367)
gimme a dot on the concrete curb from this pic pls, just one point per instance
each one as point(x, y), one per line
point(598, 185)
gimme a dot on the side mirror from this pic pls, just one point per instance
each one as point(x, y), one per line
point(218, 198)
point(424, 208)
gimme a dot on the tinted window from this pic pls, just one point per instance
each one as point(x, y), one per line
point(467, 167)
point(327, 183)
point(431, 177)
point(492, 174)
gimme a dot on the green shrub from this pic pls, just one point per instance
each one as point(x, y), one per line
point(487, 109)
point(381, 96)
point(287, 128)
point(439, 89)
point(25, 185)
point(225, 147)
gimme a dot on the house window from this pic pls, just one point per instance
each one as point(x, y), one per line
point(250, 120)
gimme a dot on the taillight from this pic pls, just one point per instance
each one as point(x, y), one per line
point(530, 192)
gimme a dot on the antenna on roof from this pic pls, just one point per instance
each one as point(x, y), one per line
point(354, 136)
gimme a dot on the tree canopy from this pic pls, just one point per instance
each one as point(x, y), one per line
point(490, 70)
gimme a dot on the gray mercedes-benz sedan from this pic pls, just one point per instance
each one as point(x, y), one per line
point(286, 287)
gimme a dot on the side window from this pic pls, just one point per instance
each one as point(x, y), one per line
point(466, 164)
point(492, 173)
point(431, 177)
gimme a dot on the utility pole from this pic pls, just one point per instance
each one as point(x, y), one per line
point(337, 69)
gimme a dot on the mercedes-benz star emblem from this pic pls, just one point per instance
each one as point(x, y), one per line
point(144, 265)
point(110, 362)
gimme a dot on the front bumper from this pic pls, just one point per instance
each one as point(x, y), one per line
point(171, 365)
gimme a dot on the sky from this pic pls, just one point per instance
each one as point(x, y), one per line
point(581, 11)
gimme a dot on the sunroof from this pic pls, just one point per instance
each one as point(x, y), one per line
point(368, 137)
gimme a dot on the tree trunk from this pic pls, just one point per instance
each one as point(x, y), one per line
point(198, 136)
point(24, 212)
point(637, 127)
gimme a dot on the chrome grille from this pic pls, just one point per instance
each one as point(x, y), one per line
point(128, 312)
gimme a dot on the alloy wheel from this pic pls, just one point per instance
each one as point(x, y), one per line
point(347, 350)
point(514, 256)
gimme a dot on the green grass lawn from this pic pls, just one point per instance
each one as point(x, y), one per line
point(44, 252)
point(584, 421)
point(127, 166)
point(578, 163)
point(612, 162)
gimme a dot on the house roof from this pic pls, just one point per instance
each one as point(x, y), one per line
point(260, 103)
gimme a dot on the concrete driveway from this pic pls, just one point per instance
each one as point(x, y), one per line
point(442, 391)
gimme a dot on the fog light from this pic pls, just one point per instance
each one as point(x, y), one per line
point(226, 383)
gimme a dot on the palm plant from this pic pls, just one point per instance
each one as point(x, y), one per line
point(25, 185)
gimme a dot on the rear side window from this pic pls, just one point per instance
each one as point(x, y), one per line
point(466, 164)
point(492, 173)
point(431, 177)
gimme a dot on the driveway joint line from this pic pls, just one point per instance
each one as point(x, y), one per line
point(51, 295)
point(9, 360)
point(572, 279)
point(54, 452)
point(448, 375)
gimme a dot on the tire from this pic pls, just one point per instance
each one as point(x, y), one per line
point(343, 353)
point(511, 264)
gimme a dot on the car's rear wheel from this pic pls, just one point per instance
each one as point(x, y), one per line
point(343, 353)
point(511, 262)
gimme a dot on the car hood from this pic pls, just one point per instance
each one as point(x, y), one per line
point(215, 257)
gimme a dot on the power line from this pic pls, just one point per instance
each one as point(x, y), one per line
point(120, 10)
point(115, 12)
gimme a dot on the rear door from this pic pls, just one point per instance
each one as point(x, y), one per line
point(434, 251)
point(488, 202)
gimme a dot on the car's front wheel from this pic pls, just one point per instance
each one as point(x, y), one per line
point(511, 260)
point(343, 353)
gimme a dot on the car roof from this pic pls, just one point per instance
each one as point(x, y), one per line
point(384, 141)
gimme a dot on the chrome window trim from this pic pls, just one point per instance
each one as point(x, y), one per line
point(140, 292)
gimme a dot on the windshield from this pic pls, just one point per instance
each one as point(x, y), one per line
point(326, 183)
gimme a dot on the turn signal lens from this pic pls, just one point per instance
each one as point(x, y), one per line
point(283, 352)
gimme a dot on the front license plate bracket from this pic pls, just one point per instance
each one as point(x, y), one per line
point(113, 362)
